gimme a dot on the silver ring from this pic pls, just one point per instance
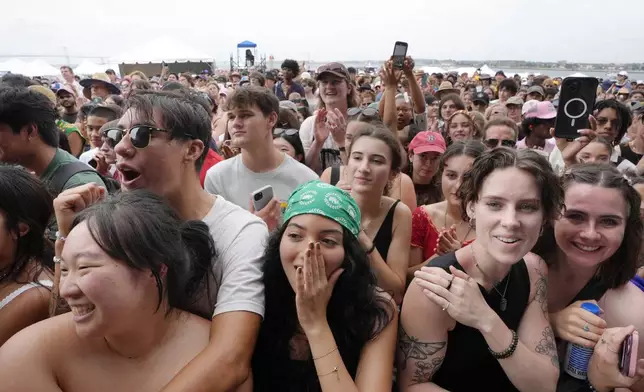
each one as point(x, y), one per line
point(586, 328)
point(445, 308)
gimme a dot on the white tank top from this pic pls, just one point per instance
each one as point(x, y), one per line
point(5, 301)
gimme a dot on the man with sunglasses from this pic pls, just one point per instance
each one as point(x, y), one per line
point(162, 140)
point(252, 116)
point(500, 132)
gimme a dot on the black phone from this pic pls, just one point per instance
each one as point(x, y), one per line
point(400, 52)
point(576, 103)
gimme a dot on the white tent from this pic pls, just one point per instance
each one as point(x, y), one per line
point(40, 68)
point(487, 70)
point(433, 70)
point(13, 65)
point(88, 68)
point(468, 70)
point(169, 50)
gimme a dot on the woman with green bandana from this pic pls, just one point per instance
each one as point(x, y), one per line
point(325, 317)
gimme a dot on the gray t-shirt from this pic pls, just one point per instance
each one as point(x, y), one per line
point(237, 280)
point(235, 182)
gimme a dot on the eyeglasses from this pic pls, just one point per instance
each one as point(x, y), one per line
point(140, 135)
point(286, 131)
point(614, 124)
point(493, 143)
point(367, 112)
point(112, 136)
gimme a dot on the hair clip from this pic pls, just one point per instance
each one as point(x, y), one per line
point(628, 180)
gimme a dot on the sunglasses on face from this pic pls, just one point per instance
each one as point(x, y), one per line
point(112, 137)
point(140, 135)
point(368, 112)
point(493, 143)
point(288, 132)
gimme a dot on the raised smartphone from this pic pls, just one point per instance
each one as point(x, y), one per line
point(576, 103)
point(400, 52)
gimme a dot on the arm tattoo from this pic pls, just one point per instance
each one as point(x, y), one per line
point(541, 291)
point(547, 346)
point(425, 371)
point(412, 348)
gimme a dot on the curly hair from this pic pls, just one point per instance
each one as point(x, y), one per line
point(475, 129)
point(618, 269)
point(356, 314)
point(531, 162)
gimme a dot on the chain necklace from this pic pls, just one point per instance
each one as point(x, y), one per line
point(504, 302)
point(456, 227)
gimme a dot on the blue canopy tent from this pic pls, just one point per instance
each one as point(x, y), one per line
point(250, 53)
point(246, 44)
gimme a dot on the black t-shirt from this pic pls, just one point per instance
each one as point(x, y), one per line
point(629, 154)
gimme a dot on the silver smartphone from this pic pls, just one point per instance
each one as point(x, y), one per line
point(262, 197)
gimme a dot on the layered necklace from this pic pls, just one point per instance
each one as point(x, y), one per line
point(504, 302)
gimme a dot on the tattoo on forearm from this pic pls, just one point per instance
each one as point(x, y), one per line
point(425, 370)
point(411, 348)
point(547, 346)
point(541, 291)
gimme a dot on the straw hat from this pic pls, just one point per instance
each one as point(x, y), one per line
point(444, 89)
point(100, 77)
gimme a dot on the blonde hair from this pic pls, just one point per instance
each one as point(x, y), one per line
point(476, 134)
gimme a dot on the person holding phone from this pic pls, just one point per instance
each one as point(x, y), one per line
point(593, 252)
point(252, 115)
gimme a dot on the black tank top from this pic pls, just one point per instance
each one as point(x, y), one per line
point(468, 365)
point(382, 240)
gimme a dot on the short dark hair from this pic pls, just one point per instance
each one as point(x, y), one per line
point(352, 70)
point(528, 160)
point(623, 264)
point(510, 85)
point(502, 121)
point(185, 114)
point(624, 116)
point(108, 112)
point(110, 71)
point(67, 67)
point(145, 233)
point(292, 65)
point(20, 107)
point(16, 80)
point(258, 76)
point(429, 99)
point(248, 96)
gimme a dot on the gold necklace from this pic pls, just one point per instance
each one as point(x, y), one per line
point(459, 223)
point(504, 302)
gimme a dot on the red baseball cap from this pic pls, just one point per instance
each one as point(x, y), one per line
point(427, 141)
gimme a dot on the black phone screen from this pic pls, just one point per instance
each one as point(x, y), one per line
point(576, 103)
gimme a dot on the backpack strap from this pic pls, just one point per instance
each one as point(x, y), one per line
point(64, 172)
point(335, 174)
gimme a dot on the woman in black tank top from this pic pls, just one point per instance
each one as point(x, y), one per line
point(477, 319)
point(593, 253)
point(374, 159)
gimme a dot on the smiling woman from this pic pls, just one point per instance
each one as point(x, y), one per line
point(130, 270)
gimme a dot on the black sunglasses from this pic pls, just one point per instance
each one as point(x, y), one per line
point(286, 131)
point(112, 136)
point(140, 135)
point(368, 112)
point(493, 143)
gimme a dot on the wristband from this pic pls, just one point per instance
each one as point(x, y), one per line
point(59, 237)
point(508, 351)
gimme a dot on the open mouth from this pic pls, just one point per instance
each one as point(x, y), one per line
point(586, 248)
point(129, 175)
point(82, 310)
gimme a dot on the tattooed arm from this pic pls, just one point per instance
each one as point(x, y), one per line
point(534, 365)
point(422, 342)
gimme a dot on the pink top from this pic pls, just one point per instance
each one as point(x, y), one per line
point(547, 149)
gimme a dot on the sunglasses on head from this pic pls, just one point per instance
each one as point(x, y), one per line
point(140, 135)
point(493, 143)
point(368, 112)
point(286, 131)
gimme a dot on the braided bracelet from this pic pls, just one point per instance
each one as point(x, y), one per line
point(508, 351)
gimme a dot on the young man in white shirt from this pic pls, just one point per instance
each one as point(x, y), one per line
point(252, 115)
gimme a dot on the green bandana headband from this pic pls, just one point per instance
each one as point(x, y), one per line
point(319, 198)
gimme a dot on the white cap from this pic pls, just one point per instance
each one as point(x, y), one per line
point(528, 105)
point(305, 75)
point(622, 73)
point(640, 82)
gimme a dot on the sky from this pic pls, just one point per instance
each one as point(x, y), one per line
point(543, 30)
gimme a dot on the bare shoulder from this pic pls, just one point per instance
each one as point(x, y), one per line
point(386, 298)
point(618, 305)
point(402, 212)
point(405, 180)
point(326, 175)
point(435, 210)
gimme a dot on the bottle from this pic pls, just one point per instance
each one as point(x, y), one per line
point(577, 357)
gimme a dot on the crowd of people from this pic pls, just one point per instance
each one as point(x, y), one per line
point(328, 230)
